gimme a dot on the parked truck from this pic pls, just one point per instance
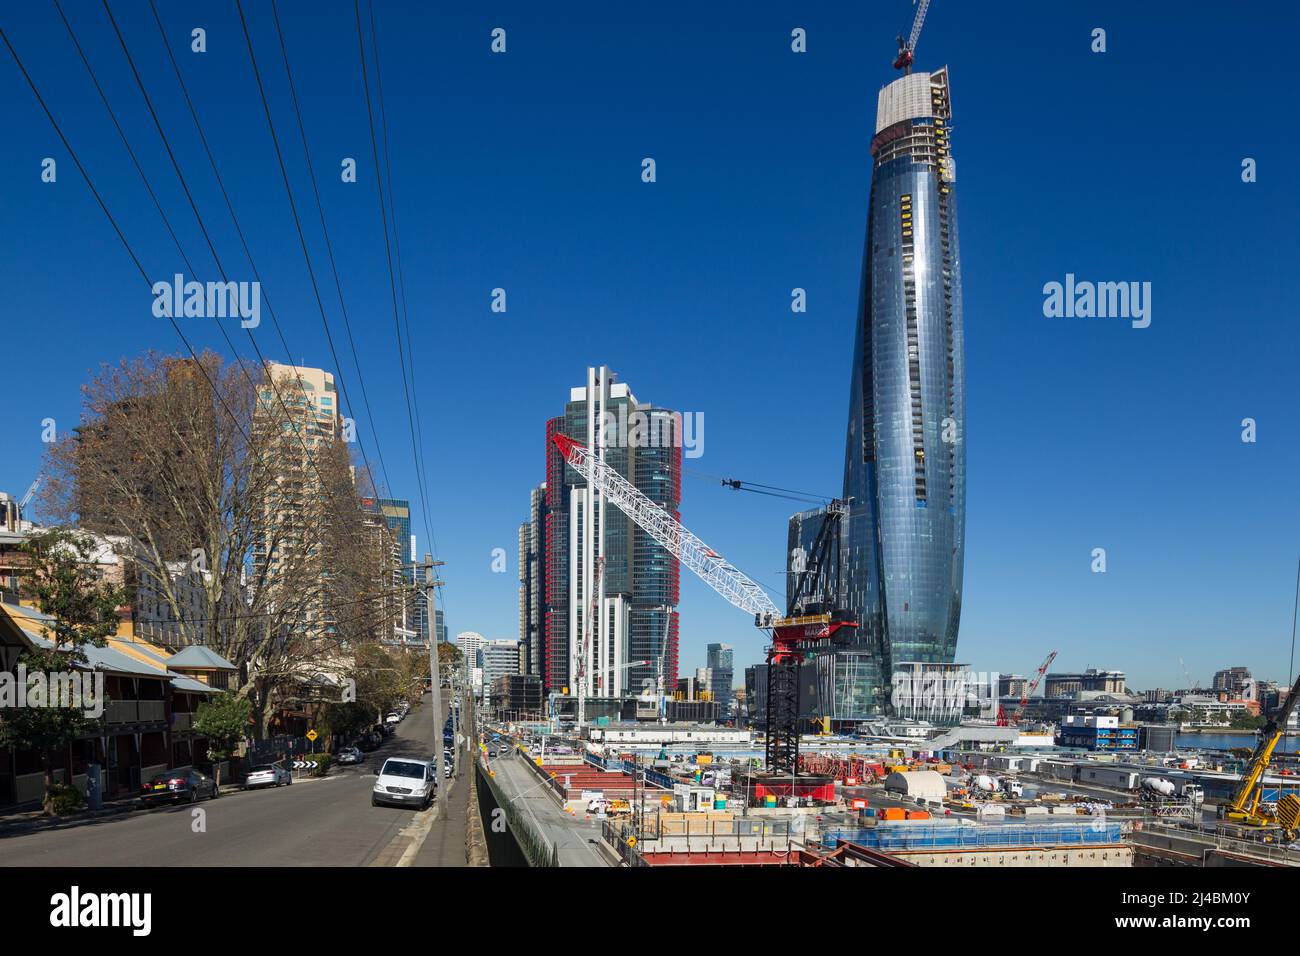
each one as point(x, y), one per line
point(1158, 785)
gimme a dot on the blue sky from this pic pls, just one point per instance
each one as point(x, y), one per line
point(522, 171)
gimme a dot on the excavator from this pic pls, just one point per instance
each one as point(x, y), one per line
point(1246, 806)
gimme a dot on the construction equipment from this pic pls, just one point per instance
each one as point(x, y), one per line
point(1245, 806)
point(907, 48)
point(592, 611)
point(1030, 688)
point(793, 636)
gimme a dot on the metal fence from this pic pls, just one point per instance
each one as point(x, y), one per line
point(538, 850)
point(1280, 852)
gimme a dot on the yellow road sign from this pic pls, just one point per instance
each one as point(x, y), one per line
point(312, 735)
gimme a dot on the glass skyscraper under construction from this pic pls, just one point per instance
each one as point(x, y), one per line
point(902, 542)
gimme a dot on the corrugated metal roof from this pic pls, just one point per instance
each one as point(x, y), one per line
point(199, 656)
point(104, 658)
point(127, 658)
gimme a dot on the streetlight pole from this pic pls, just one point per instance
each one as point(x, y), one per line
point(435, 678)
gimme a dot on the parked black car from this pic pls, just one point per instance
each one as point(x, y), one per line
point(178, 786)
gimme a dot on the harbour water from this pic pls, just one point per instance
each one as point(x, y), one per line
point(1289, 744)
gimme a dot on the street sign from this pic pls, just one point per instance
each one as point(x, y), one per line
point(312, 735)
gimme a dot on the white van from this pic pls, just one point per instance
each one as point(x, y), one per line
point(405, 782)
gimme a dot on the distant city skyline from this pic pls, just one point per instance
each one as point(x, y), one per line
point(1084, 433)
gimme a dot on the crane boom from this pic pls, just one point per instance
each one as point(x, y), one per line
point(792, 637)
point(661, 525)
point(1244, 807)
point(921, 8)
point(26, 499)
point(1033, 686)
point(907, 48)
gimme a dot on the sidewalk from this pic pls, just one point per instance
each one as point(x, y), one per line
point(445, 844)
point(30, 817)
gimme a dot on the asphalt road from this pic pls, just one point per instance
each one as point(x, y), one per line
point(576, 838)
point(315, 822)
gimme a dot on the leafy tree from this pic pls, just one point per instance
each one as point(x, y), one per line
point(379, 677)
point(348, 719)
point(224, 720)
point(64, 581)
point(449, 653)
point(1244, 720)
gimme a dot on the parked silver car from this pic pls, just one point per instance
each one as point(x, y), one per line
point(350, 755)
point(267, 775)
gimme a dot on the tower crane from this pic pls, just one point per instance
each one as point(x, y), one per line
point(26, 499)
point(1030, 688)
point(907, 47)
point(592, 611)
point(793, 637)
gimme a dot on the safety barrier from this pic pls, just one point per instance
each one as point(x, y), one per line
point(911, 836)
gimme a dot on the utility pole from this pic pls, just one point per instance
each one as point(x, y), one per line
point(434, 677)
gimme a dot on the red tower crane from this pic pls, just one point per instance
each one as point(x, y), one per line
point(793, 636)
point(907, 47)
point(1033, 686)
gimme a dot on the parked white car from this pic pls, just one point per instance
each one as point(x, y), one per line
point(393, 718)
point(405, 782)
point(267, 775)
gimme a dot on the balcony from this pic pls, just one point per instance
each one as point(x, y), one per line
point(134, 712)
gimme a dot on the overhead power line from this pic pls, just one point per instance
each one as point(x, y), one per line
point(309, 455)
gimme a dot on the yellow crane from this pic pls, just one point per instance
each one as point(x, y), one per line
point(1244, 807)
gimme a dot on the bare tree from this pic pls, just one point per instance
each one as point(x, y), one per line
point(243, 516)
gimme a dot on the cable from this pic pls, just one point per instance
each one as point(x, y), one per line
point(1294, 611)
point(308, 454)
point(374, 149)
point(121, 235)
point(392, 284)
point(376, 596)
point(397, 249)
point(302, 131)
point(753, 486)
